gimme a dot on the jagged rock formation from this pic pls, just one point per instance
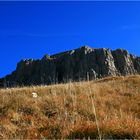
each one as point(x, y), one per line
point(75, 65)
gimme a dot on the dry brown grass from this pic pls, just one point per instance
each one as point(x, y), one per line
point(108, 108)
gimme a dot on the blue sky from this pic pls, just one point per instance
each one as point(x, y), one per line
point(32, 29)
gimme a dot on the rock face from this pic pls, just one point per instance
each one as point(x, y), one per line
point(84, 63)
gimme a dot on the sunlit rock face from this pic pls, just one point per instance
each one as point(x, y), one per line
point(84, 63)
point(124, 62)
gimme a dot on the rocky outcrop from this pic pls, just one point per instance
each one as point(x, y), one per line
point(84, 63)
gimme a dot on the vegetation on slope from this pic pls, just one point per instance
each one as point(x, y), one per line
point(106, 108)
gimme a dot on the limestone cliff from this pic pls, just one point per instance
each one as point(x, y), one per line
point(75, 65)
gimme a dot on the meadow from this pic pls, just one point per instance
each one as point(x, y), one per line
point(107, 108)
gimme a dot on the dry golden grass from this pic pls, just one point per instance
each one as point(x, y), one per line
point(108, 108)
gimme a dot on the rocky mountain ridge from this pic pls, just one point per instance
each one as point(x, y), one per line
point(84, 63)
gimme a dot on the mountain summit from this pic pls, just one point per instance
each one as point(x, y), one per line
point(84, 63)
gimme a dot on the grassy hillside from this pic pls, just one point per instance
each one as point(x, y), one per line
point(106, 108)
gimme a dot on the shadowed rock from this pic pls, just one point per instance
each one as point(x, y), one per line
point(84, 63)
